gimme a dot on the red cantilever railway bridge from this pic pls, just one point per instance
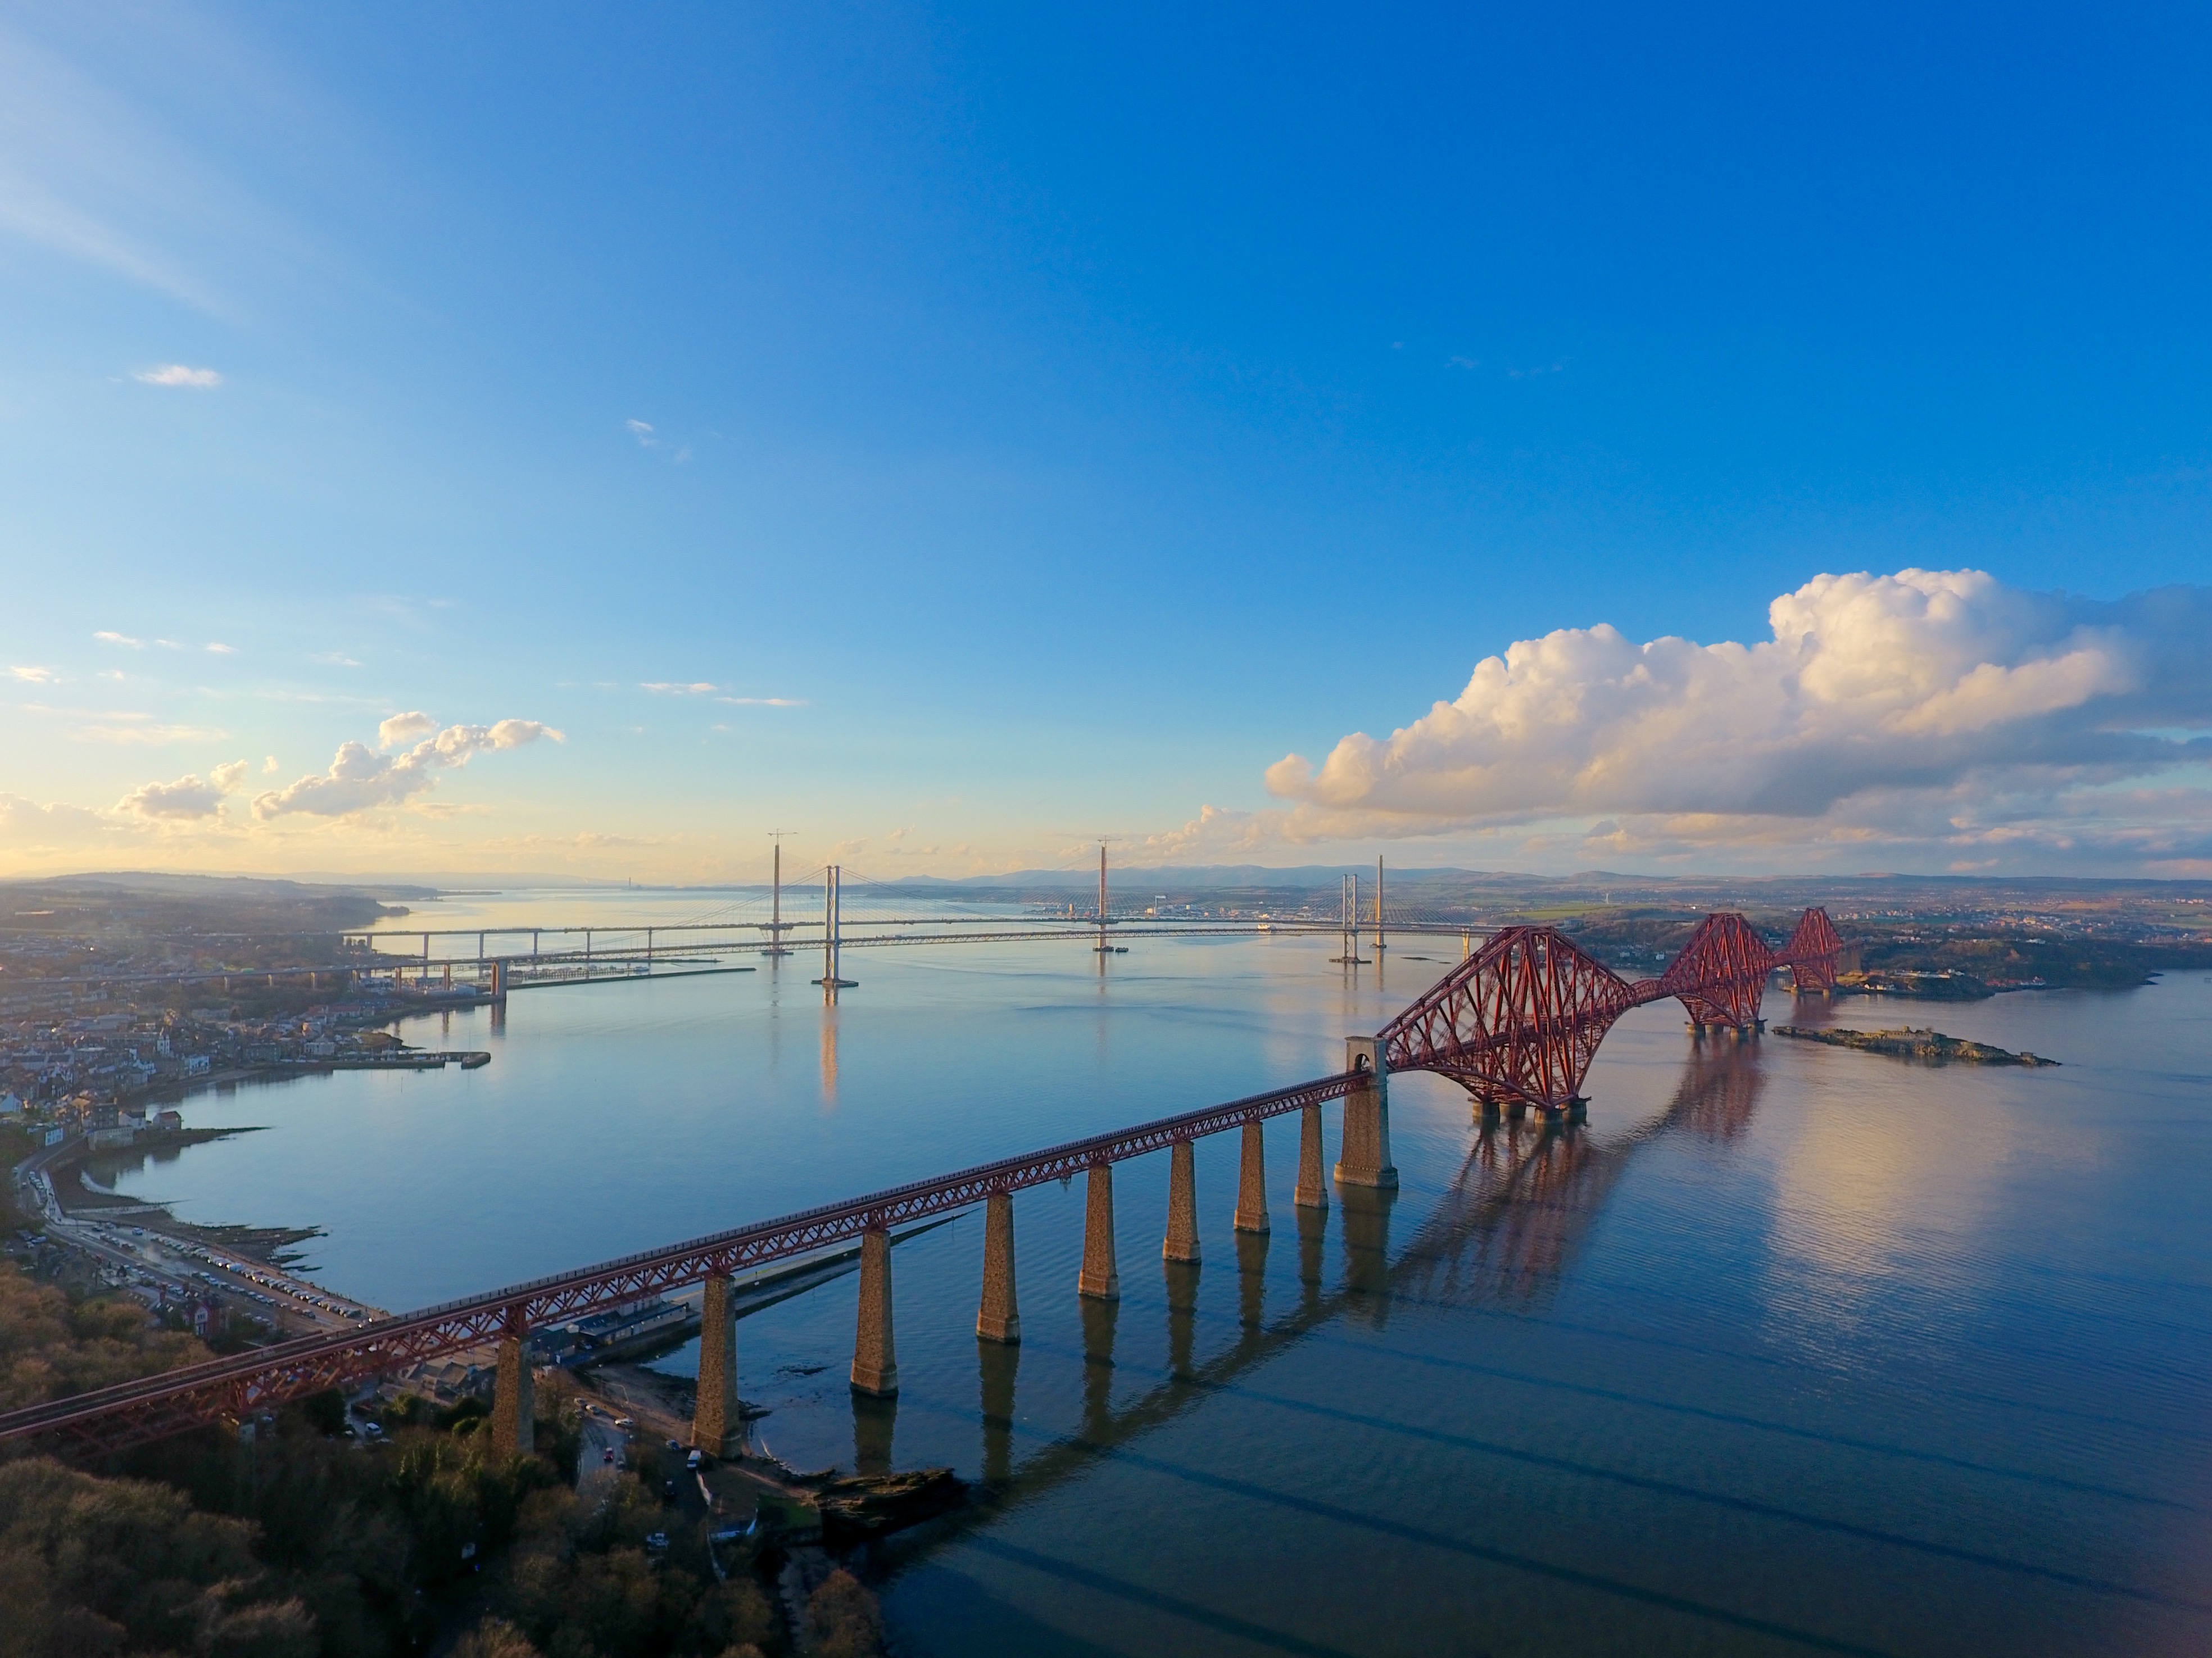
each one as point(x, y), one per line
point(1517, 1022)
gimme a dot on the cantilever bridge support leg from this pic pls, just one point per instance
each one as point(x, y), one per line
point(875, 1355)
point(513, 1413)
point(999, 1319)
point(1366, 1159)
point(1099, 1279)
point(1252, 1182)
point(1312, 1193)
point(1182, 1242)
point(717, 1423)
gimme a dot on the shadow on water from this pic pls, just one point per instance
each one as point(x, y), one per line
point(1503, 1232)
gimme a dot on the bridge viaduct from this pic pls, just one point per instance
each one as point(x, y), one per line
point(1518, 1023)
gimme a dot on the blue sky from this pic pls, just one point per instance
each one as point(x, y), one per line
point(1069, 417)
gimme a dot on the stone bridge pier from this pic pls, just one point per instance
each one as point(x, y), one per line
point(875, 1354)
point(1365, 1159)
point(513, 1403)
point(717, 1418)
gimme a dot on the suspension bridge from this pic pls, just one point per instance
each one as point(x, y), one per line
point(1516, 1023)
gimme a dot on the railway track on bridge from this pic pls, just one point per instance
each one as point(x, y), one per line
point(1516, 1023)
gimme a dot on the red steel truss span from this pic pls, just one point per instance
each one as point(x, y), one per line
point(1517, 1022)
point(236, 1388)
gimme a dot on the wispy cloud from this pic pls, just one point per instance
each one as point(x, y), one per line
point(101, 162)
point(34, 675)
point(221, 649)
point(334, 699)
point(106, 637)
point(334, 659)
point(402, 608)
point(673, 687)
point(152, 734)
point(763, 702)
point(178, 373)
point(648, 438)
point(26, 824)
point(123, 726)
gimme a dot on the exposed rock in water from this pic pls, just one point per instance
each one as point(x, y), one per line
point(1908, 1044)
point(868, 1506)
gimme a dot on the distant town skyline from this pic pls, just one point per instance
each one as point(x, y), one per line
point(508, 442)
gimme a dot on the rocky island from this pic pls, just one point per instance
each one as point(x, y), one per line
point(1908, 1044)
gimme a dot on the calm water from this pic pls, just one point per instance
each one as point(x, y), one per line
point(1793, 1349)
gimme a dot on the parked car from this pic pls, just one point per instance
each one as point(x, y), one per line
point(694, 1462)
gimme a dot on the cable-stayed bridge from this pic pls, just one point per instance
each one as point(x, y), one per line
point(830, 909)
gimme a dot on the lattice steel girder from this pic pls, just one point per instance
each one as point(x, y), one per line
point(231, 1388)
point(1520, 1019)
point(1813, 952)
point(1721, 973)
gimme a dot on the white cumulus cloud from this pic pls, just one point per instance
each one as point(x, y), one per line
point(190, 797)
point(1923, 685)
point(178, 373)
point(360, 779)
point(402, 727)
point(34, 675)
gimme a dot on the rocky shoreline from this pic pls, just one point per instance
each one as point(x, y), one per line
point(1932, 1047)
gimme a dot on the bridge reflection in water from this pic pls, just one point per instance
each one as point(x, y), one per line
point(1518, 1023)
point(1503, 1235)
